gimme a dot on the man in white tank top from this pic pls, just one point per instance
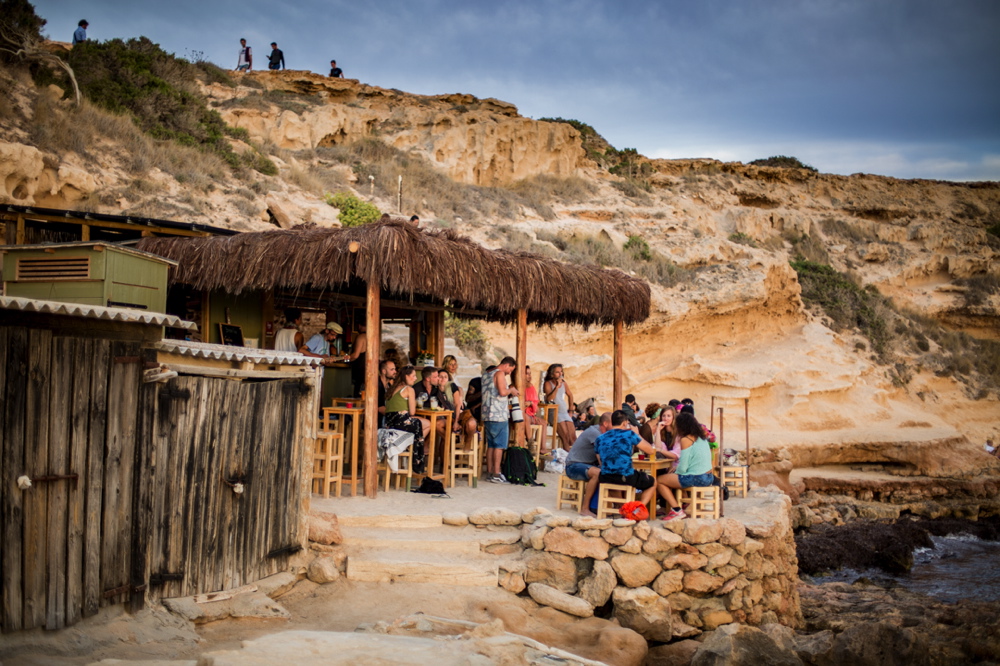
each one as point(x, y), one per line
point(289, 338)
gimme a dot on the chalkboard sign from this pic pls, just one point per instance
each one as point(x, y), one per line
point(231, 334)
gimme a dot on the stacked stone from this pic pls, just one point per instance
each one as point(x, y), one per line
point(664, 580)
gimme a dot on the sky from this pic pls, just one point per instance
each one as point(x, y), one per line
point(904, 88)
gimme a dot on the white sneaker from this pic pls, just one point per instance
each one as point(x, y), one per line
point(503, 479)
point(496, 478)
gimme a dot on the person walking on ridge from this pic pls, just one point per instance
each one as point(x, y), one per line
point(80, 34)
point(277, 58)
point(244, 62)
point(335, 71)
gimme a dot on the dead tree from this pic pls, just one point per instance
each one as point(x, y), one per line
point(25, 46)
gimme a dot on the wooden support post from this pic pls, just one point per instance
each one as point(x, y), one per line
point(438, 343)
point(19, 234)
point(373, 321)
point(85, 232)
point(522, 361)
point(619, 396)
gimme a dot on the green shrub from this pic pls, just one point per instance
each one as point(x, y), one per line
point(979, 288)
point(994, 230)
point(846, 304)
point(783, 162)
point(742, 239)
point(17, 18)
point(353, 211)
point(639, 248)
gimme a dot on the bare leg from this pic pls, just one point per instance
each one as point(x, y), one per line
point(668, 496)
point(593, 474)
point(493, 458)
point(647, 495)
point(567, 434)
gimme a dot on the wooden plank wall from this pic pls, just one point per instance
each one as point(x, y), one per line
point(152, 511)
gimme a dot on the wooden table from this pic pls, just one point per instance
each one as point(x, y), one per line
point(434, 415)
point(546, 411)
point(355, 414)
point(346, 402)
point(651, 467)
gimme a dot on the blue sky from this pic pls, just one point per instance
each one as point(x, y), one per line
point(906, 88)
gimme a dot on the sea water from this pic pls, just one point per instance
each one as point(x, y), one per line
point(957, 567)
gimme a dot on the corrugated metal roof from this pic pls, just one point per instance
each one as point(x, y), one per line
point(125, 315)
point(231, 353)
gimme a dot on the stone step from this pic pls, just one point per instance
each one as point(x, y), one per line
point(391, 521)
point(463, 570)
point(452, 540)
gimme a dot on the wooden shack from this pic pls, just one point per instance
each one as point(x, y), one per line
point(133, 468)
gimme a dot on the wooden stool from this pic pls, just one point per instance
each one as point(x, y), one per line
point(736, 479)
point(571, 491)
point(328, 463)
point(611, 497)
point(405, 470)
point(702, 502)
point(464, 461)
point(481, 466)
point(534, 444)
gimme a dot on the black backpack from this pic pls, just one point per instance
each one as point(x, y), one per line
point(519, 467)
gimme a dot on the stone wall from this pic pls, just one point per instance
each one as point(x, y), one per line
point(664, 580)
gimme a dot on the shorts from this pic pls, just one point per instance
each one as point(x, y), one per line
point(242, 68)
point(638, 480)
point(578, 471)
point(497, 434)
point(696, 480)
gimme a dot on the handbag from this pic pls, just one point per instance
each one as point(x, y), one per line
point(516, 415)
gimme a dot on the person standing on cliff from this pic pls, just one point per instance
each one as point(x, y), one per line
point(277, 58)
point(80, 34)
point(335, 71)
point(244, 62)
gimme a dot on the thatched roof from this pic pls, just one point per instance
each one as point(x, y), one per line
point(439, 266)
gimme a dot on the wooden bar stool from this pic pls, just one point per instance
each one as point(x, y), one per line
point(736, 479)
point(702, 502)
point(464, 461)
point(328, 463)
point(571, 491)
point(403, 473)
point(611, 497)
point(534, 445)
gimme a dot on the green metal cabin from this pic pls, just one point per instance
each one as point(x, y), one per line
point(88, 273)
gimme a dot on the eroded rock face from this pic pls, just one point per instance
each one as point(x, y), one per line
point(738, 645)
point(644, 611)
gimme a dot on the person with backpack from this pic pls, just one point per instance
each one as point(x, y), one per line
point(496, 414)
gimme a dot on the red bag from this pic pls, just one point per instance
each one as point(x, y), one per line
point(634, 511)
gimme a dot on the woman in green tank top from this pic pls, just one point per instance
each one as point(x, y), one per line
point(399, 406)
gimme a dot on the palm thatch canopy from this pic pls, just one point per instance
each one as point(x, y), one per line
point(408, 263)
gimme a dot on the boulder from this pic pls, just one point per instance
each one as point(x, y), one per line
point(684, 561)
point(643, 611)
point(553, 569)
point(672, 654)
point(733, 532)
point(617, 536)
point(701, 582)
point(740, 645)
point(324, 528)
point(530, 515)
point(633, 545)
point(323, 570)
point(813, 648)
point(494, 516)
point(642, 529)
point(568, 541)
point(550, 596)
point(701, 531)
point(661, 540)
point(598, 586)
point(669, 582)
point(717, 554)
point(635, 570)
point(879, 643)
point(591, 523)
point(512, 581)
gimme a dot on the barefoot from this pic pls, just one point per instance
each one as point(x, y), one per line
point(588, 512)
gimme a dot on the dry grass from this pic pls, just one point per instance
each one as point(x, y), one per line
point(856, 232)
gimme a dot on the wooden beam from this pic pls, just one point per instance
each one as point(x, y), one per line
point(438, 344)
point(134, 226)
point(373, 321)
point(85, 232)
point(521, 344)
point(19, 238)
point(619, 397)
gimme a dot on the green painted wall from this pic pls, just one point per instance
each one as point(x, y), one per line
point(245, 310)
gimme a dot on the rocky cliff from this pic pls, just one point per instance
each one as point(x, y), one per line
point(730, 328)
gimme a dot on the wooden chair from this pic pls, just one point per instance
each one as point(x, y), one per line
point(464, 461)
point(534, 445)
point(736, 479)
point(481, 465)
point(404, 472)
point(611, 497)
point(328, 463)
point(571, 491)
point(702, 502)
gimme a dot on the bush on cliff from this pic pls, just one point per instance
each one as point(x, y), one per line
point(156, 88)
point(353, 211)
point(783, 162)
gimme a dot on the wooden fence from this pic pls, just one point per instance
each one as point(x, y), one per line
point(134, 486)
